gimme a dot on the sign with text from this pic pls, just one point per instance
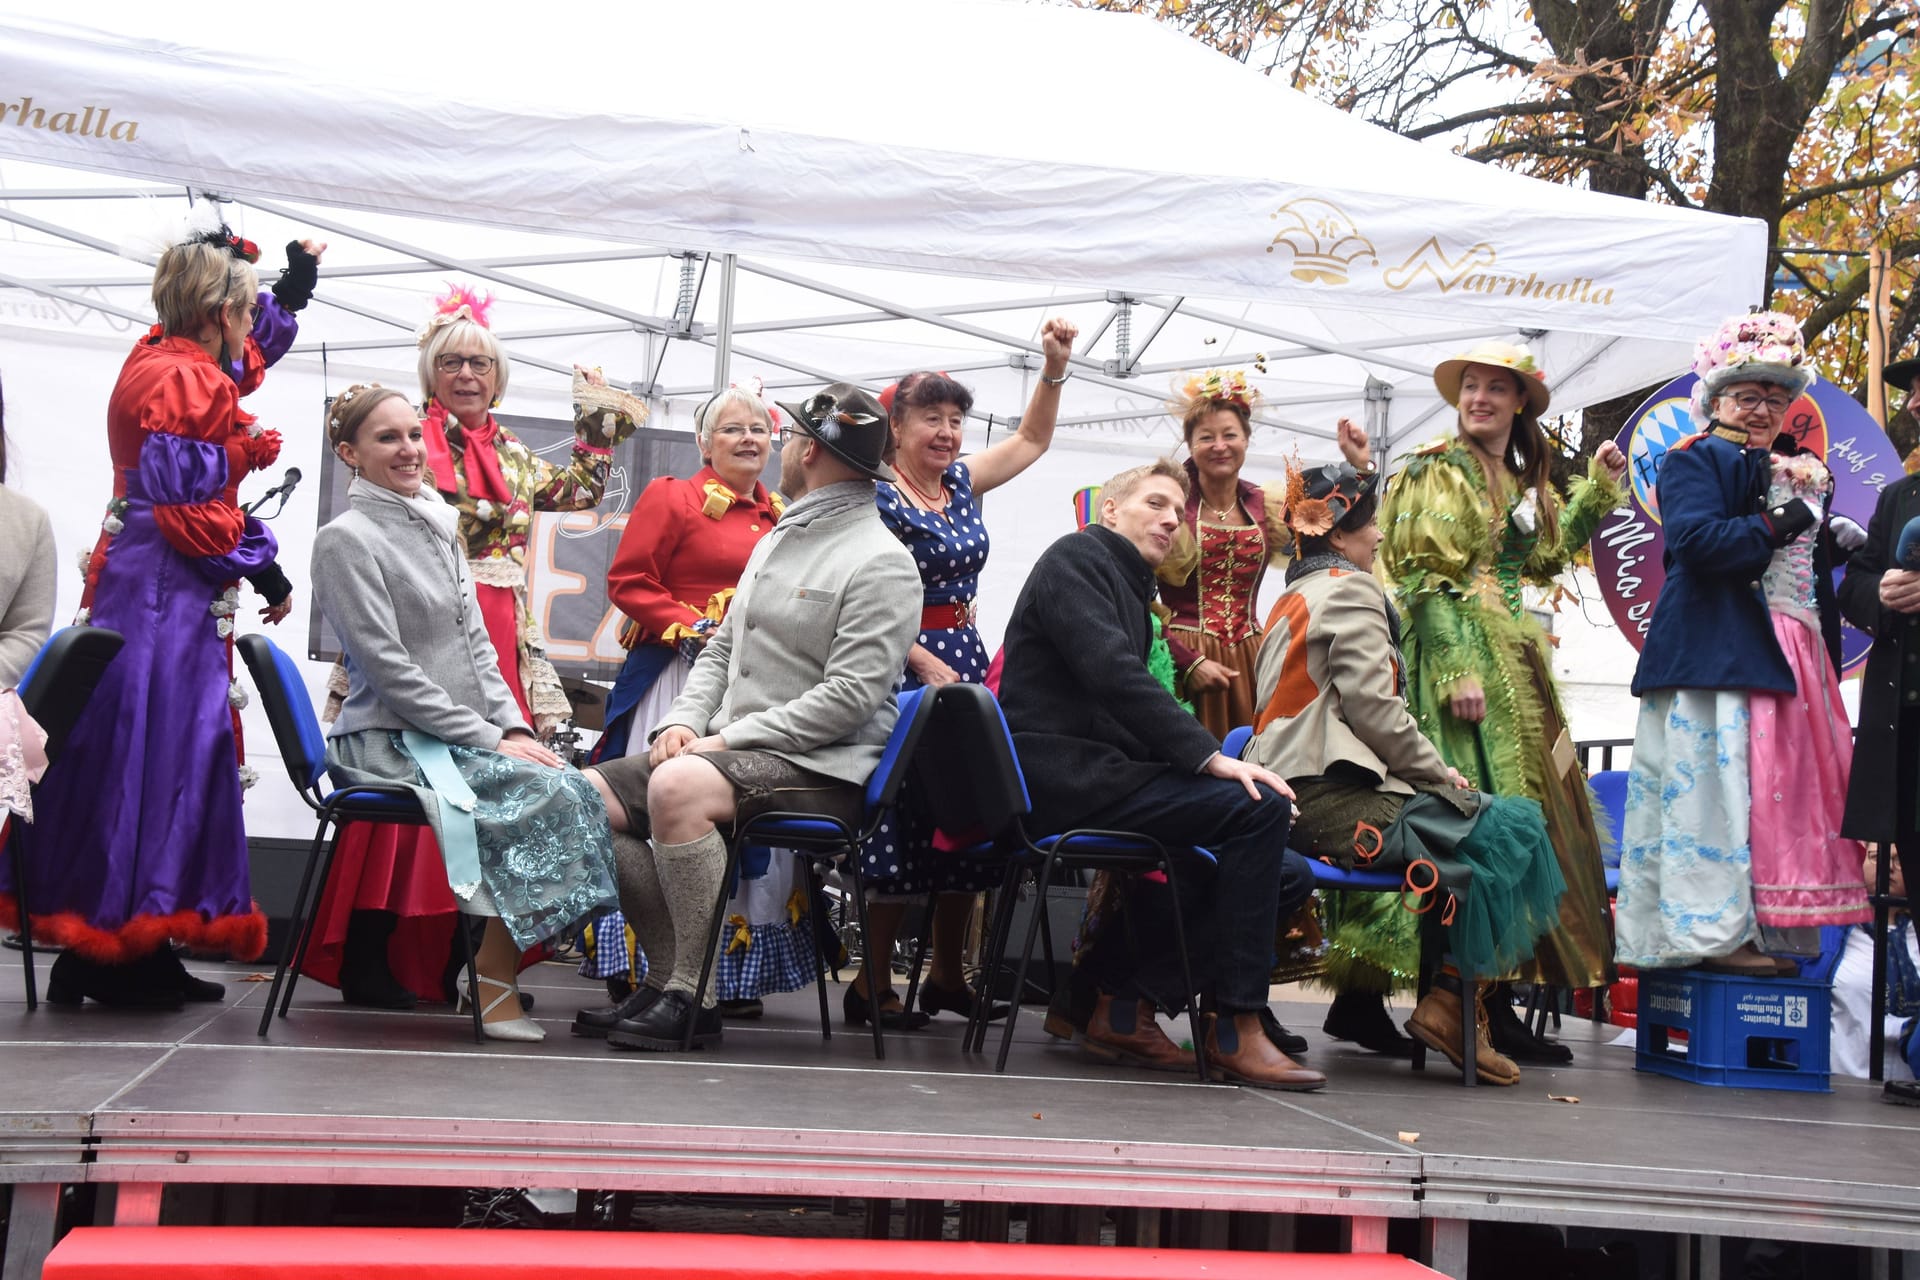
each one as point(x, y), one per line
point(568, 553)
point(1628, 547)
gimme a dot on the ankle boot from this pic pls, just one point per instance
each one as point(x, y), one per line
point(1514, 1038)
point(1125, 1031)
point(1436, 1024)
point(1238, 1051)
point(1362, 1018)
point(365, 978)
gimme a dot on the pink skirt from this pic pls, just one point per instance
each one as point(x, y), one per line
point(1800, 754)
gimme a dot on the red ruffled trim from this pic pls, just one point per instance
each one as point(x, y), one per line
point(242, 937)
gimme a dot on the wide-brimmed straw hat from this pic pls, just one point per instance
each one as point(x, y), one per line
point(850, 423)
point(1495, 355)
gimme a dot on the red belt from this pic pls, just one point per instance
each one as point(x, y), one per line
point(948, 617)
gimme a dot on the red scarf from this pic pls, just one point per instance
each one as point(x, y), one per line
point(484, 479)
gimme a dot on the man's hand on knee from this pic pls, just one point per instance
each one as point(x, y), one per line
point(1246, 773)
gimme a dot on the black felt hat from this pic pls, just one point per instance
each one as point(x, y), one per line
point(851, 424)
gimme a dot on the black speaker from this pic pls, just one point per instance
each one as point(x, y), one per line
point(1065, 904)
point(275, 867)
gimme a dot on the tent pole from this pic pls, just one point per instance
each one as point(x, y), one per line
point(723, 329)
point(1379, 420)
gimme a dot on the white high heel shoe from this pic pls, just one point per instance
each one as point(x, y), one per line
point(523, 1028)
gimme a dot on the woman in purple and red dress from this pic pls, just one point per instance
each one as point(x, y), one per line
point(139, 841)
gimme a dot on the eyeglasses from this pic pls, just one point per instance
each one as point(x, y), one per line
point(734, 431)
point(481, 365)
point(1748, 401)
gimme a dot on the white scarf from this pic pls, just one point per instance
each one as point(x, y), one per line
point(425, 505)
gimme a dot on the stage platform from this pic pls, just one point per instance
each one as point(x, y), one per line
point(353, 1097)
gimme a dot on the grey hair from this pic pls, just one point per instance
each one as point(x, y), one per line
point(709, 413)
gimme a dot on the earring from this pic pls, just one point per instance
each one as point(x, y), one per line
point(495, 404)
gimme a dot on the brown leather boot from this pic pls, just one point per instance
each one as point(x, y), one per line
point(1436, 1024)
point(1140, 1043)
point(1239, 1051)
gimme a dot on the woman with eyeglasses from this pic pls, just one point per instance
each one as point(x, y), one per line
point(680, 555)
point(384, 929)
point(1743, 749)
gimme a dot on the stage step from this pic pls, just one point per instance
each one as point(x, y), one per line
point(374, 1253)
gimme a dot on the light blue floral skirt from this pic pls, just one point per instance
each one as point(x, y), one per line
point(545, 846)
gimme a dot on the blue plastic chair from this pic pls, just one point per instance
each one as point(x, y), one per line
point(303, 748)
point(819, 841)
point(1359, 880)
point(969, 779)
point(1611, 786)
point(54, 690)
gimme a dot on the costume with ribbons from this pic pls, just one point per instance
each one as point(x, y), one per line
point(1460, 561)
point(139, 836)
point(496, 484)
point(673, 577)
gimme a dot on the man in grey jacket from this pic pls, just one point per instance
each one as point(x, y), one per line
point(788, 708)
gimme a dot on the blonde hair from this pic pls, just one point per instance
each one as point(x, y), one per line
point(1200, 410)
point(462, 332)
point(197, 278)
point(1121, 487)
point(351, 408)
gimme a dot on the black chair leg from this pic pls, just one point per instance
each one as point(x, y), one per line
point(460, 925)
point(992, 959)
point(806, 867)
point(858, 892)
point(280, 994)
point(14, 841)
point(921, 939)
point(1186, 969)
point(1877, 1021)
point(714, 927)
point(1042, 879)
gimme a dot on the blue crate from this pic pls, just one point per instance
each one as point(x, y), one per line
point(1739, 1032)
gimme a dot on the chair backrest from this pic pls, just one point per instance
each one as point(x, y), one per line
point(1611, 786)
point(1234, 745)
point(966, 775)
point(62, 677)
point(883, 784)
point(289, 710)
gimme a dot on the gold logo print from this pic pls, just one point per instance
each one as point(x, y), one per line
point(1323, 239)
point(1448, 271)
point(1469, 273)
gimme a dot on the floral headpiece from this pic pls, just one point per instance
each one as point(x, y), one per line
point(1215, 386)
point(459, 302)
point(1764, 347)
point(1320, 498)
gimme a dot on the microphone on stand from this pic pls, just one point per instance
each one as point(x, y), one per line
point(283, 491)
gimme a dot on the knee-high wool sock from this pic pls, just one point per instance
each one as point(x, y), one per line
point(690, 876)
point(644, 905)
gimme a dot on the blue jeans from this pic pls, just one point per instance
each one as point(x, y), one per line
point(1231, 912)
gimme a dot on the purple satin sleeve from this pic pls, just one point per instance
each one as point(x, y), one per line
point(274, 328)
point(177, 471)
point(254, 552)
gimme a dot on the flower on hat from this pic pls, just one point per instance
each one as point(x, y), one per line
point(459, 302)
point(1216, 386)
point(1763, 347)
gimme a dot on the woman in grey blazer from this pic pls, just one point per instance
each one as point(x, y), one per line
point(527, 840)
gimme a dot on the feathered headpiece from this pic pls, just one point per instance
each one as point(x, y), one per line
point(459, 302)
point(1321, 497)
point(161, 230)
point(1215, 386)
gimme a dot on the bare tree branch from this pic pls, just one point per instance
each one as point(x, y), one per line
point(1800, 199)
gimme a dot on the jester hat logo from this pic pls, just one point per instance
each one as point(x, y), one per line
point(1323, 239)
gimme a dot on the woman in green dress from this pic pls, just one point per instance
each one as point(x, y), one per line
point(1470, 520)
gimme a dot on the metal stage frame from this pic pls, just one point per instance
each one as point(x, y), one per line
point(152, 1101)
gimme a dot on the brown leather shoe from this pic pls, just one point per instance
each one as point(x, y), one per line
point(1143, 1044)
point(1239, 1051)
point(1436, 1024)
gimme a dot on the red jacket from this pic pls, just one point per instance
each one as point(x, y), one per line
point(673, 557)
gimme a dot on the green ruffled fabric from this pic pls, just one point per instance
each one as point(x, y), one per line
point(1160, 664)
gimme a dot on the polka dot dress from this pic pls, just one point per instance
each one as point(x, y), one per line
point(950, 549)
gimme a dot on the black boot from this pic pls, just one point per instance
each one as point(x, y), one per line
point(169, 972)
point(1362, 1017)
point(135, 985)
point(1512, 1036)
point(365, 978)
point(1291, 1043)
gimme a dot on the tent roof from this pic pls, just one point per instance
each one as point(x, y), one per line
point(1042, 158)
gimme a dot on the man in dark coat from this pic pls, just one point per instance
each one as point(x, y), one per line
point(1104, 745)
point(1883, 599)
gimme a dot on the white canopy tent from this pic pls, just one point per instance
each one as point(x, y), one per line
point(685, 194)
